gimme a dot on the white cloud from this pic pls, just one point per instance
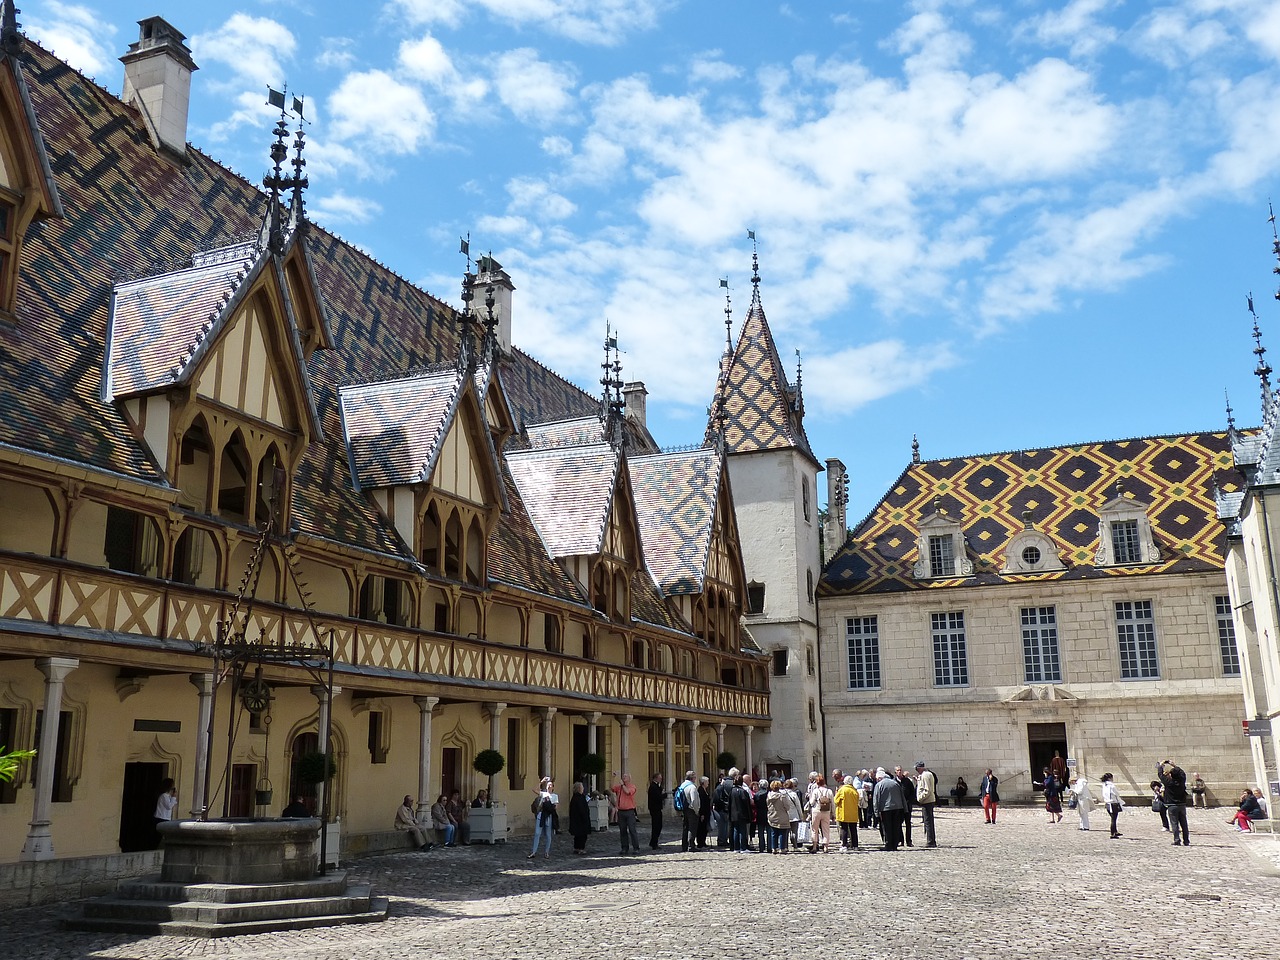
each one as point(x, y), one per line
point(1076, 26)
point(595, 22)
point(710, 67)
point(375, 111)
point(254, 48)
point(537, 198)
point(533, 89)
point(336, 54)
point(841, 382)
point(341, 207)
point(1263, 27)
point(427, 61)
point(75, 33)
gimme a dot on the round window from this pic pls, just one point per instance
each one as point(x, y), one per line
point(1031, 556)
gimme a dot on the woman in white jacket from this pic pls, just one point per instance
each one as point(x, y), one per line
point(1084, 800)
point(1111, 800)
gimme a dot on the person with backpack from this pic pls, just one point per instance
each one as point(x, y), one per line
point(821, 800)
point(688, 804)
point(544, 810)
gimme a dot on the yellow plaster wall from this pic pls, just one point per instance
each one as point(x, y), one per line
point(26, 519)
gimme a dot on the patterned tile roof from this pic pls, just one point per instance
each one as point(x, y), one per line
point(568, 492)
point(394, 428)
point(158, 324)
point(566, 433)
point(761, 409)
point(676, 496)
point(1063, 488)
point(518, 557)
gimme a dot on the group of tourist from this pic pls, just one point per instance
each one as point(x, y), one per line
point(449, 820)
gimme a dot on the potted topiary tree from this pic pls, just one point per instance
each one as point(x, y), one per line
point(489, 823)
point(592, 764)
point(726, 761)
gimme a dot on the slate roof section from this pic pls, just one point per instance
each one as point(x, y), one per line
point(568, 492)
point(676, 496)
point(759, 405)
point(1063, 487)
point(517, 556)
point(394, 428)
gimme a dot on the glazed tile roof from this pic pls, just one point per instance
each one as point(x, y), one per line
point(676, 496)
point(517, 556)
point(394, 428)
point(566, 433)
point(1063, 488)
point(568, 492)
point(759, 406)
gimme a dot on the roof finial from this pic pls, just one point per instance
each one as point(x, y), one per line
point(798, 403)
point(10, 30)
point(300, 182)
point(612, 403)
point(1027, 523)
point(915, 449)
point(1275, 241)
point(1263, 370)
point(1231, 420)
point(755, 268)
point(276, 181)
point(728, 317)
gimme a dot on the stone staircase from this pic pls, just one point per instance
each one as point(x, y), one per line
point(152, 906)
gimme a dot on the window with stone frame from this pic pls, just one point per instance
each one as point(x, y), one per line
point(942, 558)
point(940, 546)
point(781, 658)
point(1125, 546)
point(1125, 535)
point(755, 597)
point(950, 654)
point(862, 637)
point(1136, 635)
point(1041, 662)
point(1227, 649)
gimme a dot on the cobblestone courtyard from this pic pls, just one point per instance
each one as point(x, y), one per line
point(1017, 889)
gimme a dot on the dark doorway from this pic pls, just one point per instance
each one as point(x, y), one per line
point(778, 769)
point(450, 770)
point(579, 750)
point(138, 805)
point(1043, 739)
point(244, 778)
point(303, 744)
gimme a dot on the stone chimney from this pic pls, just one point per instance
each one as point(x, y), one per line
point(833, 532)
point(489, 272)
point(633, 395)
point(157, 79)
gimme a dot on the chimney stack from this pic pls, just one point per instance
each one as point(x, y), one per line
point(633, 396)
point(833, 533)
point(157, 79)
point(489, 272)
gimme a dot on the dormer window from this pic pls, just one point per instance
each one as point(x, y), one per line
point(1031, 551)
point(940, 547)
point(1124, 533)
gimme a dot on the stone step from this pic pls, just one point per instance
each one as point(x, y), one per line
point(153, 888)
point(187, 928)
point(355, 901)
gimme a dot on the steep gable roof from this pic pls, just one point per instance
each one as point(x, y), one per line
point(676, 496)
point(568, 492)
point(1064, 488)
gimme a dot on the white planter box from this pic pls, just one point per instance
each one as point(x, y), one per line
point(599, 814)
point(488, 824)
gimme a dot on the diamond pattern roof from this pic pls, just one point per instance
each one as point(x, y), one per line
point(1063, 487)
point(568, 492)
point(676, 497)
point(394, 428)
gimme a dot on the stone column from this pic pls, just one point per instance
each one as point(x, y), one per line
point(719, 740)
point(39, 845)
point(494, 712)
point(548, 716)
point(425, 706)
point(747, 732)
point(322, 695)
point(694, 758)
point(669, 753)
point(592, 720)
point(624, 745)
point(203, 682)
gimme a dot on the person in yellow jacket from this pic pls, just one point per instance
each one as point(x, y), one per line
point(846, 803)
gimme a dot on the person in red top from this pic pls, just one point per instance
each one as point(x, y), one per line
point(625, 792)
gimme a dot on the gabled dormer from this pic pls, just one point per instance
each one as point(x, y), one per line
point(209, 366)
point(1125, 536)
point(940, 546)
point(27, 190)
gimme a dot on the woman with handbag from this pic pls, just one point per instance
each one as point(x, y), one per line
point(1157, 803)
point(1111, 800)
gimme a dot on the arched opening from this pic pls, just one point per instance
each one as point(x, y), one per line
point(233, 480)
point(600, 588)
point(195, 558)
point(431, 538)
point(385, 599)
point(475, 553)
point(621, 600)
point(195, 466)
point(271, 485)
point(132, 542)
point(453, 547)
point(469, 618)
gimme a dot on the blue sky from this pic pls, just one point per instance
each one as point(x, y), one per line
point(994, 225)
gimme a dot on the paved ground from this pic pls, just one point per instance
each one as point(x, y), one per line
point(1021, 888)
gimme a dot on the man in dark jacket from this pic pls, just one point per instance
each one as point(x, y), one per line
point(704, 811)
point(657, 797)
point(889, 804)
point(720, 803)
point(761, 801)
point(1174, 781)
point(908, 799)
point(740, 807)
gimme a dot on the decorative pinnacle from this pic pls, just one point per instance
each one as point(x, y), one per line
point(915, 449)
point(1275, 241)
point(276, 181)
point(1026, 520)
point(728, 317)
point(11, 31)
point(799, 401)
point(1231, 420)
point(1263, 370)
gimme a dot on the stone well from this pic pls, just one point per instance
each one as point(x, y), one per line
point(239, 851)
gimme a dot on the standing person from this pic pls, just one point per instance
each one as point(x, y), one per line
point(796, 811)
point(626, 794)
point(1198, 791)
point(1058, 767)
point(720, 803)
point(546, 802)
point(927, 797)
point(779, 817)
point(889, 806)
point(739, 816)
point(1084, 800)
point(989, 792)
point(1173, 780)
point(704, 811)
point(1157, 804)
point(687, 801)
point(166, 803)
point(1052, 797)
point(579, 818)
point(760, 802)
point(820, 815)
point(847, 814)
point(908, 798)
point(657, 799)
point(406, 821)
point(1111, 800)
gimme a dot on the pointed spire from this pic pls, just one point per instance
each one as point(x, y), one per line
point(1232, 436)
point(915, 449)
point(728, 317)
point(297, 207)
point(1263, 370)
point(612, 403)
point(798, 403)
point(276, 181)
point(755, 269)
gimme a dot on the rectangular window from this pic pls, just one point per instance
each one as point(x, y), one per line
point(1040, 661)
point(755, 598)
point(1136, 631)
point(862, 634)
point(1124, 542)
point(942, 559)
point(377, 752)
point(780, 662)
point(515, 754)
point(1227, 637)
point(950, 661)
point(8, 741)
